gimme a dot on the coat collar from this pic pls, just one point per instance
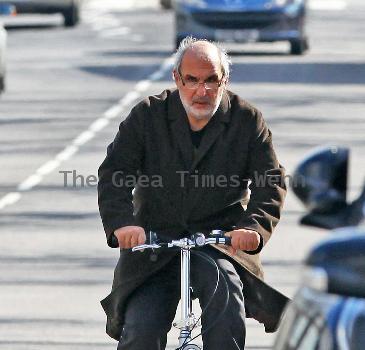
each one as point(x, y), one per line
point(181, 133)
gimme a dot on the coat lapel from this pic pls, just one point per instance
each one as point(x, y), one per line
point(210, 136)
point(180, 128)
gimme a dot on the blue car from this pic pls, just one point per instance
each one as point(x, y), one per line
point(328, 310)
point(243, 21)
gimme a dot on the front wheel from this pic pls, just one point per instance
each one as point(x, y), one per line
point(299, 46)
point(71, 15)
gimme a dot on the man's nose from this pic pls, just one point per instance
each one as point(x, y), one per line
point(201, 90)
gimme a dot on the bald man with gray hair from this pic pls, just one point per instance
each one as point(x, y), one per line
point(189, 43)
point(182, 137)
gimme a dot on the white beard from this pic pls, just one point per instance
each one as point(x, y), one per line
point(200, 114)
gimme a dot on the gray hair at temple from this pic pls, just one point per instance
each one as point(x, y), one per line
point(187, 44)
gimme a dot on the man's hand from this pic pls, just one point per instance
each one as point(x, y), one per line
point(130, 236)
point(243, 239)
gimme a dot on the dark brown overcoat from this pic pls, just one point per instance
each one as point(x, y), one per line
point(182, 191)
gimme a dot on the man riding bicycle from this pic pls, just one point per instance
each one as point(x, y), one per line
point(193, 151)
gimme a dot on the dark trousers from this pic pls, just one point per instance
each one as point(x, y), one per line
point(151, 309)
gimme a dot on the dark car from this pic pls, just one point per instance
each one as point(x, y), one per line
point(5, 10)
point(2, 56)
point(166, 4)
point(328, 311)
point(70, 9)
point(243, 21)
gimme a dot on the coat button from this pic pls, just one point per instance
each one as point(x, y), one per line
point(153, 257)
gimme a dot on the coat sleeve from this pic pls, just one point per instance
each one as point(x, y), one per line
point(267, 186)
point(118, 174)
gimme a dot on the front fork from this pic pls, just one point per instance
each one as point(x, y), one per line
point(187, 321)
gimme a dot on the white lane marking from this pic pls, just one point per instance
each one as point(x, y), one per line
point(67, 153)
point(85, 136)
point(111, 32)
point(48, 167)
point(156, 76)
point(142, 85)
point(116, 109)
point(99, 124)
point(9, 199)
point(129, 98)
point(30, 182)
point(327, 5)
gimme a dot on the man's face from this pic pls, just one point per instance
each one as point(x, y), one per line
point(200, 102)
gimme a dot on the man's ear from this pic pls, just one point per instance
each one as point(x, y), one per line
point(176, 77)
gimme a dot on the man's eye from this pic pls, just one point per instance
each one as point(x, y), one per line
point(191, 79)
point(212, 80)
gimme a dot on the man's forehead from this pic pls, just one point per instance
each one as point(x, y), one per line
point(200, 61)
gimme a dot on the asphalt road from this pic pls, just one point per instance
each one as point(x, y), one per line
point(67, 90)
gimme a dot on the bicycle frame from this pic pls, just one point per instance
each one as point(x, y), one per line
point(187, 320)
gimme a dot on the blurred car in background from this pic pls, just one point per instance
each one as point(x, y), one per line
point(328, 311)
point(70, 9)
point(243, 21)
point(5, 10)
point(166, 4)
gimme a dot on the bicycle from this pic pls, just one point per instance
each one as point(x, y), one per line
point(188, 321)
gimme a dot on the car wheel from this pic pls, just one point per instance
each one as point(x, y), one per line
point(166, 4)
point(2, 84)
point(71, 15)
point(299, 47)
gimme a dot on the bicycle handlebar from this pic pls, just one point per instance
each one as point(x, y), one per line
point(196, 240)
